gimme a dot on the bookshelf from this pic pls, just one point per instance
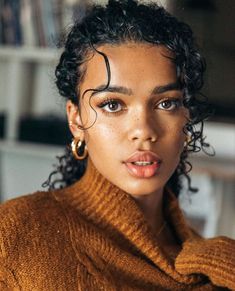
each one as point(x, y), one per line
point(26, 87)
point(18, 96)
point(24, 65)
point(34, 54)
point(29, 32)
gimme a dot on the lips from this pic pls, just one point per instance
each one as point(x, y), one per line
point(143, 171)
point(143, 156)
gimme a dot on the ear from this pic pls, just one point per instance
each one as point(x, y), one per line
point(74, 120)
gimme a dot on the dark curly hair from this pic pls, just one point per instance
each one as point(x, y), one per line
point(116, 23)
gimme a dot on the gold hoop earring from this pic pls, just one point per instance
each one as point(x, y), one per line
point(187, 141)
point(76, 145)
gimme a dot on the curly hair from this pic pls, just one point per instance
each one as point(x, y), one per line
point(116, 23)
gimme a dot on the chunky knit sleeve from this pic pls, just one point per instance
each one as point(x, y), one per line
point(36, 251)
point(7, 279)
point(213, 257)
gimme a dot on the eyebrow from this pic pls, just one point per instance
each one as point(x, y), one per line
point(116, 89)
point(166, 88)
point(128, 91)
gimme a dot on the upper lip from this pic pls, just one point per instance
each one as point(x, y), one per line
point(143, 156)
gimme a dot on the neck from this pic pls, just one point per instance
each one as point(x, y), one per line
point(151, 206)
point(116, 211)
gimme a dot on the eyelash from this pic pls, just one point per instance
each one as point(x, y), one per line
point(108, 101)
point(176, 101)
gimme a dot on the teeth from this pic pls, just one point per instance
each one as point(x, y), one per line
point(142, 163)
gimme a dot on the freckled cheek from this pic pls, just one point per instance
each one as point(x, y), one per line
point(105, 136)
point(180, 138)
point(175, 138)
point(171, 151)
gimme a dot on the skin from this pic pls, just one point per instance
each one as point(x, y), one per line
point(144, 121)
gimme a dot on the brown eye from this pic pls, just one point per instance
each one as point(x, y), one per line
point(169, 104)
point(111, 106)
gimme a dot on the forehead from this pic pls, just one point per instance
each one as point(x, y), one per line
point(130, 62)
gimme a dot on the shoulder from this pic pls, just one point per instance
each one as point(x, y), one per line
point(23, 209)
point(35, 240)
point(27, 218)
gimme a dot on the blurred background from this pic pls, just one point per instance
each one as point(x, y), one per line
point(33, 128)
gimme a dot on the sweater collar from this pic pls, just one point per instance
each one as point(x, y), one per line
point(116, 212)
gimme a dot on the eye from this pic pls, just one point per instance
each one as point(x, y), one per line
point(170, 104)
point(111, 106)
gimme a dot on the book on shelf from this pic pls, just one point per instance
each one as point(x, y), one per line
point(27, 25)
point(48, 25)
point(1, 22)
point(11, 32)
point(2, 124)
point(37, 22)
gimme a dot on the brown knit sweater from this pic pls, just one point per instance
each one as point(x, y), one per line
point(93, 236)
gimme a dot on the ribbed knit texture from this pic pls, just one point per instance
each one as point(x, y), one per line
point(93, 236)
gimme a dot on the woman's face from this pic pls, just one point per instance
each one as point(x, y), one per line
point(145, 114)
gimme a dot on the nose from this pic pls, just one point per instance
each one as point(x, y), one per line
point(143, 128)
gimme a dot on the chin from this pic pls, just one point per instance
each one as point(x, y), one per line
point(143, 191)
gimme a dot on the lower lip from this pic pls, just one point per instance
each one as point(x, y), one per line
point(143, 171)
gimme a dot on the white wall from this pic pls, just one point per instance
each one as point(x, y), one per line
point(24, 167)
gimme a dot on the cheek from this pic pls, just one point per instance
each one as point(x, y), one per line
point(102, 137)
point(175, 138)
point(180, 146)
point(180, 138)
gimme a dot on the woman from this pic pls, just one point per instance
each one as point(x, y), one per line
point(131, 74)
